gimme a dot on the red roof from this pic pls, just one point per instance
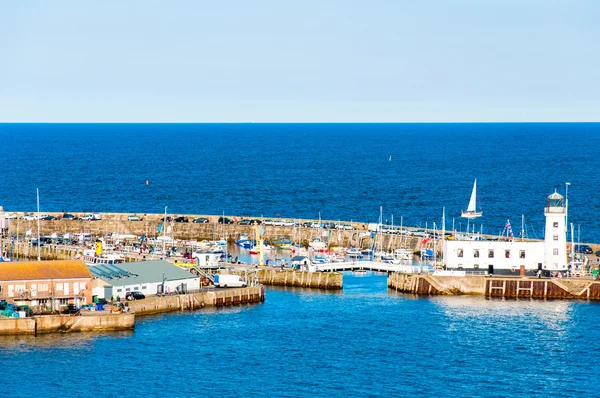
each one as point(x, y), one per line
point(40, 270)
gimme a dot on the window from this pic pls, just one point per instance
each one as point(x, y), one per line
point(476, 253)
point(59, 286)
point(0, 288)
point(491, 253)
point(460, 252)
point(476, 266)
point(144, 287)
point(128, 289)
point(506, 253)
point(555, 225)
point(136, 288)
point(555, 237)
point(522, 254)
point(63, 301)
point(555, 252)
point(43, 302)
point(119, 290)
point(42, 287)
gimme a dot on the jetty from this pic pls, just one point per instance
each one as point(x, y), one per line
point(496, 286)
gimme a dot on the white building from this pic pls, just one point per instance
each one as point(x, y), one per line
point(147, 277)
point(510, 257)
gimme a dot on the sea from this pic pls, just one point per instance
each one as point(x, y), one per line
point(363, 341)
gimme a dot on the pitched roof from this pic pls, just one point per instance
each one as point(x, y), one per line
point(134, 273)
point(40, 270)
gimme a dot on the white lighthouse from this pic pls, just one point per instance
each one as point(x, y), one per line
point(555, 240)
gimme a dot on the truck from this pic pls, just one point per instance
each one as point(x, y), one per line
point(223, 280)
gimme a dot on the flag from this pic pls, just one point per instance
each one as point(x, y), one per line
point(160, 228)
point(508, 229)
point(425, 240)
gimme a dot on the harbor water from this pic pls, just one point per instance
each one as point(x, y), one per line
point(363, 341)
point(340, 171)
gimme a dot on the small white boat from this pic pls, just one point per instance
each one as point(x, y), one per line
point(353, 252)
point(317, 244)
point(472, 208)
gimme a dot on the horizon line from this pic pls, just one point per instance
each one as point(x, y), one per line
point(293, 122)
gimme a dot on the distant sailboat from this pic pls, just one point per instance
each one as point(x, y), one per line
point(390, 159)
point(472, 209)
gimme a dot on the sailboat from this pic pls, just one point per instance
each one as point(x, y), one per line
point(472, 209)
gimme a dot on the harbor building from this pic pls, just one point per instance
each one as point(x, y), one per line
point(507, 256)
point(50, 284)
point(147, 277)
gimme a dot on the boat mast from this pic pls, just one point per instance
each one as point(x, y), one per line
point(38, 225)
point(163, 231)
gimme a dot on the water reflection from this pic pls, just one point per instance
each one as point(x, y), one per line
point(554, 314)
point(25, 343)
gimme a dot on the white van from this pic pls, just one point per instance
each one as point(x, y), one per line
point(373, 227)
point(229, 281)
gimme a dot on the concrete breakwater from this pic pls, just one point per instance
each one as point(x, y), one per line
point(64, 323)
point(319, 280)
point(490, 286)
point(194, 301)
point(106, 321)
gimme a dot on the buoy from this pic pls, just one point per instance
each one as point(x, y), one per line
point(146, 182)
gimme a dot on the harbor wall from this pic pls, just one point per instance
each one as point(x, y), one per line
point(511, 287)
point(193, 301)
point(65, 323)
point(148, 226)
point(319, 280)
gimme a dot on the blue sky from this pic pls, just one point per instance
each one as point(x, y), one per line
point(326, 60)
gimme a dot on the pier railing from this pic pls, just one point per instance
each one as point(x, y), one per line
point(371, 266)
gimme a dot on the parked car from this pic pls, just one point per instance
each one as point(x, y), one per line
point(91, 217)
point(585, 249)
point(225, 220)
point(48, 218)
point(38, 242)
point(69, 217)
point(307, 224)
point(70, 309)
point(288, 223)
point(134, 218)
point(245, 222)
point(10, 216)
point(598, 253)
point(256, 222)
point(268, 222)
point(134, 296)
point(28, 217)
point(201, 220)
point(181, 219)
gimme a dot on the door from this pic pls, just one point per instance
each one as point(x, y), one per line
point(491, 269)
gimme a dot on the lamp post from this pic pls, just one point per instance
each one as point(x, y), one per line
point(567, 208)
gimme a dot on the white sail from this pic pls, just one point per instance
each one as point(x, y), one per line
point(473, 202)
point(472, 209)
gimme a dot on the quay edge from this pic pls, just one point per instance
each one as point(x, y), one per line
point(493, 286)
point(105, 321)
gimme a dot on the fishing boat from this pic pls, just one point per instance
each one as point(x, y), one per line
point(472, 208)
point(353, 252)
point(403, 254)
point(90, 258)
point(256, 249)
point(317, 244)
point(283, 243)
point(242, 240)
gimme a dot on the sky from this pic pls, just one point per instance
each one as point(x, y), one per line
point(299, 61)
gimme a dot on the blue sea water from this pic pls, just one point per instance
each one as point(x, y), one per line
point(342, 171)
point(364, 341)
